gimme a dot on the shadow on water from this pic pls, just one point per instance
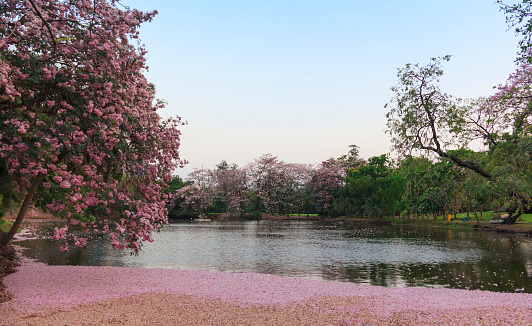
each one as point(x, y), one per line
point(384, 255)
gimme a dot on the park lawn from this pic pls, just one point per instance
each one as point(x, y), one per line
point(485, 216)
point(526, 218)
point(303, 214)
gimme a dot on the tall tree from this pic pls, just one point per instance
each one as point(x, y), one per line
point(352, 159)
point(276, 183)
point(79, 118)
point(422, 117)
point(377, 188)
point(199, 194)
point(327, 179)
point(231, 183)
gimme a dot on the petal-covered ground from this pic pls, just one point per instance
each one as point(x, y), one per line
point(84, 295)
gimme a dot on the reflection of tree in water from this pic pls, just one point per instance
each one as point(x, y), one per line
point(47, 250)
point(496, 271)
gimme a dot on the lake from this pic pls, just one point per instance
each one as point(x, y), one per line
point(384, 255)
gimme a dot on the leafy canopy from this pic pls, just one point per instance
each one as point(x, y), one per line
point(80, 119)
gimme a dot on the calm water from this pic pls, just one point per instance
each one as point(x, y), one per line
point(383, 255)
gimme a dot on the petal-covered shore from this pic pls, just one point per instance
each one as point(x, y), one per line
point(85, 295)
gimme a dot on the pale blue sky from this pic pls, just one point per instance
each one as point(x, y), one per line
point(303, 80)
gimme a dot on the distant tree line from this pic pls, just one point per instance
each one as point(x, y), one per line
point(346, 186)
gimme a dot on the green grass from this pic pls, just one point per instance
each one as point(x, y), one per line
point(303, 214)
point(527, 218)
point(5, 226)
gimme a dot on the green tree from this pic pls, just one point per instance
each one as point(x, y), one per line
point(374, 189)
point(425, 119)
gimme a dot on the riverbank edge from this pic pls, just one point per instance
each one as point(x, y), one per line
point(520, 228)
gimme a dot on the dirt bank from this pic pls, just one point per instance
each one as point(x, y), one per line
point(8, 263)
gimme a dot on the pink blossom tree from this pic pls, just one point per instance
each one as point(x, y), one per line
point(276, 183)
point(79, 118)
point(327, 179)
point(198, 195)
point(231, 183)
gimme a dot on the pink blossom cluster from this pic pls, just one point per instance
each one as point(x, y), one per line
point(505, 112)
point(80, 119)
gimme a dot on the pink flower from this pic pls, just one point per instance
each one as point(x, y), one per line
point(80, 242)
point(121, 228)
point(59, 233)
point(65, 184)
point(64, 247)
point(57, 179)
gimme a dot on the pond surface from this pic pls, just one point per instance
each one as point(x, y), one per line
point(385, 255)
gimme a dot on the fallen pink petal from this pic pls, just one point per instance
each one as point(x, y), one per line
point(82, 295)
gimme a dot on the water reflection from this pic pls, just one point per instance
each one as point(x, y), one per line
point(382, 255)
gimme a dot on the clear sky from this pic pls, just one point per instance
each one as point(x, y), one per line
point(303, 80)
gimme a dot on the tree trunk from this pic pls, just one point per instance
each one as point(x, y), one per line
point(476, 216)
point(513, 218)
point(454, 207)
point(25, 205)
point(346, 208)
point(469, 205)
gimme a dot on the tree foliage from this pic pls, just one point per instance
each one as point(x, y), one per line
point(80, 119)
point(518, 17)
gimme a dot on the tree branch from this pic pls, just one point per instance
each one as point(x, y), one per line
point(44, 21)
point(473, 166)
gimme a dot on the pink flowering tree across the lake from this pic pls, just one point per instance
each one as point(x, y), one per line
point(327, 179)
point(200, 194)
point(79, 119)
point(276, 184)
point(231, 184)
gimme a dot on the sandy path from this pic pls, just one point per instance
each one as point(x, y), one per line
point(82, 295)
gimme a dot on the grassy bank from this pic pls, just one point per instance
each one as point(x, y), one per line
point(523, 227)
point(5, 226)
